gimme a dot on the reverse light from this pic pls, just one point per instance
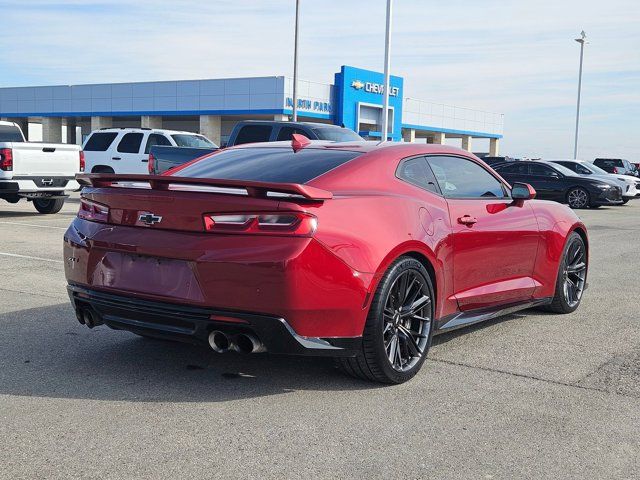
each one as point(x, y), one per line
point(93, 211)
point(6, 159)
point(280, 223)
point(82, 162)
point(151, 164)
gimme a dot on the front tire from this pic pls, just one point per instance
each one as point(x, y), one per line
point(572, 276)
point(398, 331)
point(48, 206)
point(578, 197)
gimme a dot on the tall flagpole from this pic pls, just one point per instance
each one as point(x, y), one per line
point(387, 61)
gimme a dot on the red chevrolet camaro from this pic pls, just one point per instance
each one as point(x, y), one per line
point(357, 251)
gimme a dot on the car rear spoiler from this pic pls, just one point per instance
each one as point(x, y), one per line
point(163, 182)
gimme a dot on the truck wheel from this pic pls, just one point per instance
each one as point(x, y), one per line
point(48, 206)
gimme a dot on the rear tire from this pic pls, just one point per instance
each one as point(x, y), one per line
point(48, 206)
point(399, 326)
point(572, 276)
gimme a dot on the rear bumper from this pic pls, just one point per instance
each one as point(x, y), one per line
point(296, 279)
point(47, 186)
point(194, 324)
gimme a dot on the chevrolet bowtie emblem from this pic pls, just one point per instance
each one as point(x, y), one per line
point(357, 84)
point(150, 218)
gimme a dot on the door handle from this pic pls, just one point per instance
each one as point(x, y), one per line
point(467, 220)
point(116, 158)
point(144, 160)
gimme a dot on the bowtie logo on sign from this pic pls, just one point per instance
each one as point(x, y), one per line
point(371, 87)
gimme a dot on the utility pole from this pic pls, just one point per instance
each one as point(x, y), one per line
point(387, 62)
point(295, 65)
point(582, 40)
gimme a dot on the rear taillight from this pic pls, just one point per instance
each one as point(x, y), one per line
point(94, 211)
point(151, 164)
point(279, 223)
point(82, 163)
point(6, 159)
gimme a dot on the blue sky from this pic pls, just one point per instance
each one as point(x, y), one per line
point(512, 56)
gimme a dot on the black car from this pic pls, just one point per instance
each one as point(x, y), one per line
point(555, 182)
point(616, 165)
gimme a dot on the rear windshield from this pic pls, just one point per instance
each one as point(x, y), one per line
point(194, 141)
point(10, 133)
point(280, 165)
point(100, 142)
point(337, 134)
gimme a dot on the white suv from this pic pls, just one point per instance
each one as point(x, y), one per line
point(126, 150)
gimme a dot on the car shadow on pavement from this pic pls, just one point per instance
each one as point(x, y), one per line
point(45, 352)
point(34, 213)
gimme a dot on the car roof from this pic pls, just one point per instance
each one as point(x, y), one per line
point(401, 149)
point(288, 123)
point(143, 129)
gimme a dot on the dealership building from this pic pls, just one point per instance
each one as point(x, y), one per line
point(68, 113)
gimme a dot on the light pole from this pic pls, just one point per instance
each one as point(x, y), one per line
point(582, 40)
point(387, 61)
point(295, 65)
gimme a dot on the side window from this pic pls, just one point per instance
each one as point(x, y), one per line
point(417, 172)
point(156, 139)
point(516, 168)
point(286, 132)
point(100, 142)
point(130, 143)
point(580, 169)
point(462, 178)
point(253, 134)
point(540, 170)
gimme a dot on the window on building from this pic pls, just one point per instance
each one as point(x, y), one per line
point(100, 141)
point(253, 134)
point(130, 143)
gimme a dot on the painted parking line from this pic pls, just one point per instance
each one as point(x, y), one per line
point(29, 257)
point(33, 225)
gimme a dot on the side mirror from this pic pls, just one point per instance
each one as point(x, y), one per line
point(523, 191)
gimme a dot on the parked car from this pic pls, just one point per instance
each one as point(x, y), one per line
point(126, 150)
point(558, 183)
point(356, 251)
point(630, 185)
point(253, 131)
point(492, 161)
point(163, 158)
point(41, 173)
point(615, 165)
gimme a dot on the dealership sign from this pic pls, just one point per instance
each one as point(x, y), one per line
point(310, 105)
point(372, 87)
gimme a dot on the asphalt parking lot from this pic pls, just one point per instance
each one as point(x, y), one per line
point(530, 395)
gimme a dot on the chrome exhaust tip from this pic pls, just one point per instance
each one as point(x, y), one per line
point(247, 343)
point(219, 341)
point(88, 319)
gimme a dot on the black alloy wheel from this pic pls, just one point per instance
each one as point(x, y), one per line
point(399, 327)
point(572, 276)
point(578, 197)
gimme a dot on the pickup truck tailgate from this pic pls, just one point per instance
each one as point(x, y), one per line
point(45, 159)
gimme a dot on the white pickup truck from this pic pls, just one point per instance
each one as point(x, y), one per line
point(42, 173)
